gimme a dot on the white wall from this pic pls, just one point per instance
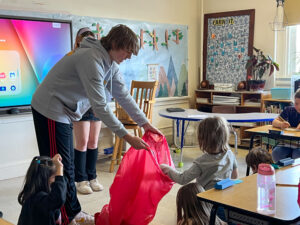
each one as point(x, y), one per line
point(17, 137)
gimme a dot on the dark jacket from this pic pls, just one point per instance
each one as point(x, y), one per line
point(44, 208)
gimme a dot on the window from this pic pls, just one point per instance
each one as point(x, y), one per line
point(293, 50)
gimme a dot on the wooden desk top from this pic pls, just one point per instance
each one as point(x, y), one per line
point(265, 129)
point(4, 222)
point(244, 196)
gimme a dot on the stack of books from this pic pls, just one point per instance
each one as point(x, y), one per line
point(252, 102)
point(226, 100)
point(202, 100)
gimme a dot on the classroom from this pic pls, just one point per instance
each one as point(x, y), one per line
point(200, 52)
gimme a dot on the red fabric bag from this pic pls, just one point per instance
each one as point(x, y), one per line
point(139, 185)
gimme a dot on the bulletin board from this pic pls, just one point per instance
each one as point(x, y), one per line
point(227, 44)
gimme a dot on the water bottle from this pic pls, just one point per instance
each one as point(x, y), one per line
point(266, 189)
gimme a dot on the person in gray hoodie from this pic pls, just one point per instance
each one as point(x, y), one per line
point(76, 83)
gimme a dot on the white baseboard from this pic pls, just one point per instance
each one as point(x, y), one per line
point(15, 169)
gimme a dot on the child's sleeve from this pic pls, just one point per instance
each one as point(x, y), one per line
point(184, 177)
point(285, 115)
point(57, 196)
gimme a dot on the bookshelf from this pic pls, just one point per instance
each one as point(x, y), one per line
point(275, 105)
point(246, 101)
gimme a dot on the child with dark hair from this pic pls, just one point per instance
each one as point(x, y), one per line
point(257, 156)
point(191, 211)
point(44, 192)
point(290, 117)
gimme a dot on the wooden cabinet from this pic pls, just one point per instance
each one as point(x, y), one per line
point(247, 101)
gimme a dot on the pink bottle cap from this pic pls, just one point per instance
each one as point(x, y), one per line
point(265, 169)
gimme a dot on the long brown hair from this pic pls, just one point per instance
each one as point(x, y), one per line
point(121, 37)
point(189, 208)
point(213, 135)
point(37, 177)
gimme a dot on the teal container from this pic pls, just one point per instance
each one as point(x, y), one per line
point(281, 93)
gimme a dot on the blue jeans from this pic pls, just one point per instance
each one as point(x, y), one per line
point(282, 152)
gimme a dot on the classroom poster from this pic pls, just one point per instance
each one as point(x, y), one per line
point(228, 42)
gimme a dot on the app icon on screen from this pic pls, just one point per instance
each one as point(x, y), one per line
point(10, 75)
point(2, 88)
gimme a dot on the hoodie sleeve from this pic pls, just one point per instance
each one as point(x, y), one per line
point(121, 93)
point(91, 74)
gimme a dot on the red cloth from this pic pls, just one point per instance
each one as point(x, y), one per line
point(139, 185)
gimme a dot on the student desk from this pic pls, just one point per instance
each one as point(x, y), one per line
point(241, 201)
point(195, 115)
point(264, 131)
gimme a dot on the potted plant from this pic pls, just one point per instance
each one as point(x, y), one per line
point(259, 65)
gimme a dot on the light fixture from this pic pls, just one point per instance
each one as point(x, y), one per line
point(280, 20)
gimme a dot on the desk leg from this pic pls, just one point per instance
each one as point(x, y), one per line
point(180, 164)
point(213, 215)
point(250, 147)
point(176, 134)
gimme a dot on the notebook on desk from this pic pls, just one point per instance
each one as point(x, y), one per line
point(175, 110)
point(288, 177)
point(292, 129)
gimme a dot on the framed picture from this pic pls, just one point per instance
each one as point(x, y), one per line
point(227, 44)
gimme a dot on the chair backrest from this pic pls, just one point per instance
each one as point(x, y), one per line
point(144, 94)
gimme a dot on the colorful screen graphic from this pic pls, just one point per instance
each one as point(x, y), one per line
point(28, 50)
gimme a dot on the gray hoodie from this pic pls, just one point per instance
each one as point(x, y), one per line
point(78, 81)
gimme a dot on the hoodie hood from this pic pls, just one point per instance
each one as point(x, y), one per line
point(92, 43)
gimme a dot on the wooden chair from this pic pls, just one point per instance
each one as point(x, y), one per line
point(144, 94)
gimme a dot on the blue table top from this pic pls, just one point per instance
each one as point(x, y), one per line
point(195, 115)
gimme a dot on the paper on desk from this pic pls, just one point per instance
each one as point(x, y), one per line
point(292, 129)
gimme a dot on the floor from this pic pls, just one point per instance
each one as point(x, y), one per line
point(9, 190)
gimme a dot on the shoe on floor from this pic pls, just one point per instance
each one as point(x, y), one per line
point(83, 187)
point(95, 185)
point(83, 218)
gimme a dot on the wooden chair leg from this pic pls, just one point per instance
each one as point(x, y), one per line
point(120, 149)
point(140, 132)
point(114, 155)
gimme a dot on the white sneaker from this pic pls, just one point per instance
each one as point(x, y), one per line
point(83, 187)
point(95, 185)
point(83, 218)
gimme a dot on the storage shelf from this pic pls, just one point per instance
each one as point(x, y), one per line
point(277, 100)
point(240, 106)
